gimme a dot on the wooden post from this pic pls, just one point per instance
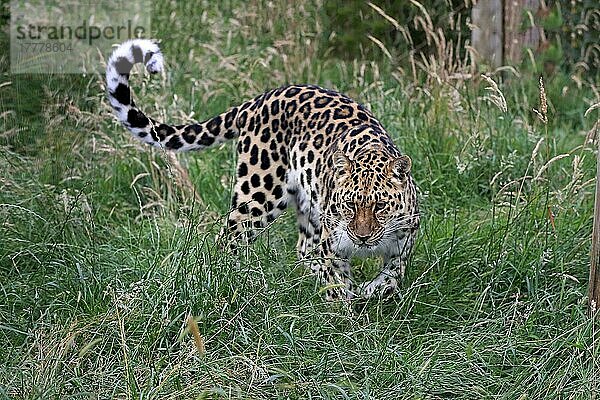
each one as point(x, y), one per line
point(516, 39)
point(594, 283)
point(487, 31)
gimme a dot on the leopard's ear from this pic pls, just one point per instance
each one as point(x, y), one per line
point(400, 165)
point(341, 162)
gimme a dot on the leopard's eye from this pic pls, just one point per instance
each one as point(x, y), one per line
point(380, 205)
point(351, 205)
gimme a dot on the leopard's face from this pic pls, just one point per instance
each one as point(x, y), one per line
point(374, 200)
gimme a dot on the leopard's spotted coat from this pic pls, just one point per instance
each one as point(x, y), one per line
point(307, 146)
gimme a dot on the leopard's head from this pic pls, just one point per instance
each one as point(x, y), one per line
point(374, 198)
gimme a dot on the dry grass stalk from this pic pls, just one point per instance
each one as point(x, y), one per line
point(198, 340)
point(425, 14)
point(405, 33)
point(590, 136)
point(547, 165)
point(496, 96)
point(381, 46)
point(182, 178)
point(591, 108)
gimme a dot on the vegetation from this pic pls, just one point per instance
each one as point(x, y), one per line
point(107, 246)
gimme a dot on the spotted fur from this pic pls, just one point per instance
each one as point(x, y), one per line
point(305, 146)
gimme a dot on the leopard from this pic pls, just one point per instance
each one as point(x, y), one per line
point(300, 146)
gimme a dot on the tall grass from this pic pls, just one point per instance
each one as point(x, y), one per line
point(107, 247)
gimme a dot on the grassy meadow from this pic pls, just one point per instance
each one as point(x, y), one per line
point(107, 246)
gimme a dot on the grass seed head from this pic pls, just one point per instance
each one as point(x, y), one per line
point(542, 113)
point(496, 96)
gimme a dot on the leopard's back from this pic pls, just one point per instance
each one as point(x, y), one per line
point(287, 137)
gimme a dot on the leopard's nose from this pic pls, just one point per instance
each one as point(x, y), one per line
point(362, 237)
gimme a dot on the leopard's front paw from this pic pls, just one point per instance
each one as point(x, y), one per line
point(339, 293)
point(380, 287)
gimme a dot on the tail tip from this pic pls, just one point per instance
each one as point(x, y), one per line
point(139, 50)
point(155, 64)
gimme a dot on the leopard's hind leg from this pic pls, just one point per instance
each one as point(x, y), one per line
point(259, 196)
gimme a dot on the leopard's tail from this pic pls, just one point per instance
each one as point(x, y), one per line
point(195, 136)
